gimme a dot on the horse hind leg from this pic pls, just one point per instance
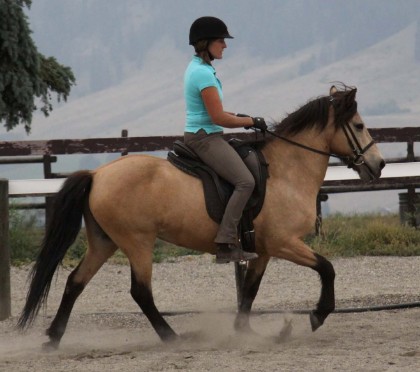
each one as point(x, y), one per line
point(254, 274)
point(100, 248)
point(141, 274)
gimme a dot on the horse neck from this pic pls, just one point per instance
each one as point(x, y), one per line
point(298, 163)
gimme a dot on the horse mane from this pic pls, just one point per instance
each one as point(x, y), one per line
point(316, 111)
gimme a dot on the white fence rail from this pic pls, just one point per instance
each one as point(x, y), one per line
point(42, 187)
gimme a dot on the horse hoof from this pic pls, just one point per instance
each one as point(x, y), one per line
point(316, 322)
point(170, 337)
point(286, 331)
point(50, 346)
point(246, 331)
point(241, 323)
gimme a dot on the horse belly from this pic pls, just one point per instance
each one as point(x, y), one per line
point(184, 219)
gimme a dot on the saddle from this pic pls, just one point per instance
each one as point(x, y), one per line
point(217, 191)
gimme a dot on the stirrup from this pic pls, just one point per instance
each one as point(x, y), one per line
point(232, 253)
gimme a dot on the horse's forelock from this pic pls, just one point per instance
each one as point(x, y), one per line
point(345, 105)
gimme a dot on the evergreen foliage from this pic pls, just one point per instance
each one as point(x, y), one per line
point(26, 74)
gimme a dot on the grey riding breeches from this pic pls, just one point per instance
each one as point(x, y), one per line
point(214, 151)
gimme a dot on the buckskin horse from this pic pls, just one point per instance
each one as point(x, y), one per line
point(128, 203)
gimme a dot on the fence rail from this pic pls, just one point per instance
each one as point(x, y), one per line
point(156, 143)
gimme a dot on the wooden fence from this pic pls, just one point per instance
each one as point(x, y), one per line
point(124, 144)
point(14, 152)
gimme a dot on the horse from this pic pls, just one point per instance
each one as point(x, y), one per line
point(128, 203)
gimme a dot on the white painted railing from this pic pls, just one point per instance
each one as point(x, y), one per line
point(390, 171)
point(34, 187)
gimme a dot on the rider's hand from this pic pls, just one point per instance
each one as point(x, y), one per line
point(259, 123)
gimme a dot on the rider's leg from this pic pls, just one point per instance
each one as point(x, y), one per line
point(225, 161)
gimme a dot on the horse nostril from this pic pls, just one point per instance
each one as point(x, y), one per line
point(382, 164)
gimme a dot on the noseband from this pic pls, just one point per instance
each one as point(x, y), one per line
point(357, 149)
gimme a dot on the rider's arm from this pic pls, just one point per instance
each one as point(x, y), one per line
point(218, 116)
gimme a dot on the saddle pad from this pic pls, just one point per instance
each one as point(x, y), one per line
point(216, 190)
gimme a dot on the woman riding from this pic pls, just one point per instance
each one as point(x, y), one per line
point(205, 119)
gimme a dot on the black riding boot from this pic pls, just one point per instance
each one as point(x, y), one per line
point(232, 253)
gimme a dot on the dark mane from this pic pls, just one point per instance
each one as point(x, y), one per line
point(315, 112)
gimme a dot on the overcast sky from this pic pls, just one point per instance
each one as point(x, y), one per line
point(104, 41)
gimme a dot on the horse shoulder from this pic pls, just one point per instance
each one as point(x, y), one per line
point(292, 209)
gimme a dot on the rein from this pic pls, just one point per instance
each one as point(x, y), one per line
point(306, 147)
point(358, 151)
point(345, 159)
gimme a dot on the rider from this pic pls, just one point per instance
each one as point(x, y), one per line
point(205, 119)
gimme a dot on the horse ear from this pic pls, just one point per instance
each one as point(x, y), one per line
point(333, 90)
point(352, 94)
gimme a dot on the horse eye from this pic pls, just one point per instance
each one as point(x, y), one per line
point(359, 126)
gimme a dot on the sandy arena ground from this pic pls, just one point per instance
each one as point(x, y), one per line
point(106, 333)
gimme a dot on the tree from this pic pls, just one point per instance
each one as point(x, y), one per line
point(26, 75)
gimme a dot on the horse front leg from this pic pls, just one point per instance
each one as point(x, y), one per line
point(326, 303)
point(254, 273)
point(299, 253)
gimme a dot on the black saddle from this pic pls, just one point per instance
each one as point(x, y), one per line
point(217, 191)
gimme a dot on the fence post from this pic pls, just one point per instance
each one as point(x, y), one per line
point(49, 200)
point(124, 134)
point(5, 295)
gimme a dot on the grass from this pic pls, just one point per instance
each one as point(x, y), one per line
point(366, 235)
point(342, 236)
point(25, 236)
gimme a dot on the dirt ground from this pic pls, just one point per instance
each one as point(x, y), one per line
point(107, 333)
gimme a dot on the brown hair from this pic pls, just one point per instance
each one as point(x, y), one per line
point(201, 50)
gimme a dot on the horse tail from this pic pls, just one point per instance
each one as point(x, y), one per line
point(65, 224)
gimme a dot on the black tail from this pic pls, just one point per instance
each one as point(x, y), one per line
point(66, 221)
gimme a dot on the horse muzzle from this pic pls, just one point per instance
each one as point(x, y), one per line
point(368, 171)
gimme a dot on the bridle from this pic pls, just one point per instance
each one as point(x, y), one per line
point(351, 161)
point(358, 151)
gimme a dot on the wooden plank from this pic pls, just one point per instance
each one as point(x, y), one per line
point(41, 187)
point(87, 146)
point(35, 187)
point(403, 134)
point(391, 170)
point(156, 143)
point(335, 176)
point(340, 186)
point(25, 159)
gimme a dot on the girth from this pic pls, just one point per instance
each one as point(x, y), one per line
point(217, 191)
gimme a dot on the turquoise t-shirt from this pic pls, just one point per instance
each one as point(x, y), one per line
point(199, 75)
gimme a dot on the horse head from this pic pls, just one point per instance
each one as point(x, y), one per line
point(351, 138)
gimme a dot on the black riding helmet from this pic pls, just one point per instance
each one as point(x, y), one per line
point(208, 28)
